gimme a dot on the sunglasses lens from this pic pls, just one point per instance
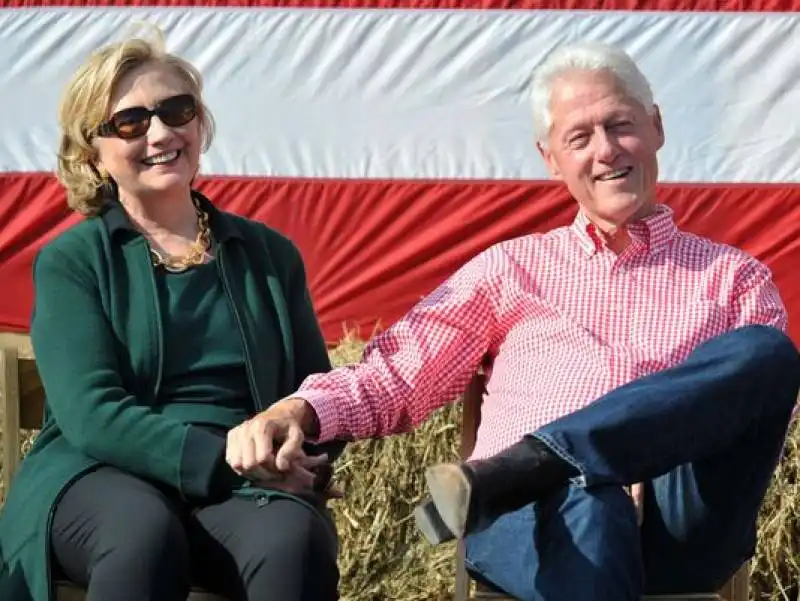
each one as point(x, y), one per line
point(131, 123)
point(134, 122)
point(177, 111)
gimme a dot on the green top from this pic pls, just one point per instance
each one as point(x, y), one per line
point(98, 334)
point(205, 380)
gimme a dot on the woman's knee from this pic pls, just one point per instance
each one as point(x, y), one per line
point(304, 536)
point(152, 535)
point(116, 530)
point(297, 548)
point(149, 555)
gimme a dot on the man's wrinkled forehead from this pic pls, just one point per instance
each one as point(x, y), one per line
point(589, 94)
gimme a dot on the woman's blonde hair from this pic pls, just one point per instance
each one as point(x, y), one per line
point(84, 107)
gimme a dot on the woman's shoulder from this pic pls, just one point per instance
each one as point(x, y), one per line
point(76, 240)
point(278, 244)
point(74, 254)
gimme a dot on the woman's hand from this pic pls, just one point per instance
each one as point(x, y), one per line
point(309, 476)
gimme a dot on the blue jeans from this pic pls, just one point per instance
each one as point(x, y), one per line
point(705, 438)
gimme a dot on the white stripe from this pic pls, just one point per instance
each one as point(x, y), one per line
point(422, 94)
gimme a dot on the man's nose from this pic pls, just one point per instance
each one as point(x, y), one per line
point(606, 146)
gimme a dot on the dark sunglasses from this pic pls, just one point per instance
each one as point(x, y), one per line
point(135, 121)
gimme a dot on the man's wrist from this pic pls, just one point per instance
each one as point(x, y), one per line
point(309, 421)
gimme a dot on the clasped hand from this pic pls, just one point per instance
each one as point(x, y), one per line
point(268, 450)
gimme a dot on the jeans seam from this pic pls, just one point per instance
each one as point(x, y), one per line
point(581, 480)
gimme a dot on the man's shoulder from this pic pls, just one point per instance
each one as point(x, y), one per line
point(526, 247)
point(711, 252)
point(506, 259)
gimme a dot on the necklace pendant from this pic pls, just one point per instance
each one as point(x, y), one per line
point(175, 268)
point(196, 254)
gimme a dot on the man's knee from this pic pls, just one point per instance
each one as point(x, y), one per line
point(771, 348)
point(764, 359)
point(780, 358)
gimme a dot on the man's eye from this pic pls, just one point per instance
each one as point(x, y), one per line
point(577, 140)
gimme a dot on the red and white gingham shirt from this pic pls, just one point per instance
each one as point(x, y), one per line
point(564, 319)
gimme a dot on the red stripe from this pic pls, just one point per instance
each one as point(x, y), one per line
point(373, 248)
point(653, 5)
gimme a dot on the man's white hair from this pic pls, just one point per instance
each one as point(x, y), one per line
point(584, 56)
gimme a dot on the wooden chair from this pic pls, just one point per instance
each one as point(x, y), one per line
point(22, 402)
point(736, 589)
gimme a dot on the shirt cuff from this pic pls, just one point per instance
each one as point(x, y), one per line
point(327, 410)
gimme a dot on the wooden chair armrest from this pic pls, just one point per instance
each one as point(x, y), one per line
point(10, 403)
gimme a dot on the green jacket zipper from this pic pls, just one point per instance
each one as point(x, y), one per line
point(158, 330)
point(248, 363)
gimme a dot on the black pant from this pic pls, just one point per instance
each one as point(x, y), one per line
point(125, 539)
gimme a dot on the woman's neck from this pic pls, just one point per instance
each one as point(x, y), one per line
point(163, 216)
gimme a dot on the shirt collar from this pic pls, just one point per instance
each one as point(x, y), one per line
point(116, 218)
point(653, 232)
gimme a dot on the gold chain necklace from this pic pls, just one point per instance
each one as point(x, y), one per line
point(197, 251)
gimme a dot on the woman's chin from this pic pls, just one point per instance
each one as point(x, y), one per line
point(167, 183)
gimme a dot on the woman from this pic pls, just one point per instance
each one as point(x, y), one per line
point(159, 324)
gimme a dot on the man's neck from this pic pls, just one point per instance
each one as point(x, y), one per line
point(615, 236)
point(616, 240)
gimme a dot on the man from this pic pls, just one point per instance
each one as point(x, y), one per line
point(622, 351)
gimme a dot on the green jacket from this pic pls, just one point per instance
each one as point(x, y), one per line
point(97, 335)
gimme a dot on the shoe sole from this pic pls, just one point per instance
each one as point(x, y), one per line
point(450, 492)
point(430, 523)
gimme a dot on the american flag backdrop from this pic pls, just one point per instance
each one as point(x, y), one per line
point(392, 140)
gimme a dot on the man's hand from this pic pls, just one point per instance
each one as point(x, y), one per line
point(271, 443)
point(637, 496)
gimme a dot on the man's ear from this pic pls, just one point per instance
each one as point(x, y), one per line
point(549, 161)
point(659, 126)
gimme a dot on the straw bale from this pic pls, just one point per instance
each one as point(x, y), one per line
point(381, 554)
point(775, 571)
